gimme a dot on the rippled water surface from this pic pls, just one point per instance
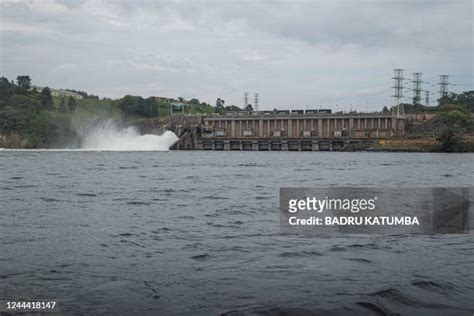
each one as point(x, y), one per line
point(167, 233)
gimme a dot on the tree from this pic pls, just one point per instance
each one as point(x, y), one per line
point(220, 103)
point(13, 119)
point(46, 99)
point(18, 113)
point(232, 108)
point(135, 105)
point(24, 103)
point(24, 82)
point(128, 104)
point(385, 109)
point(194, 101)
point(6, 90)
point(457, 121)
point(163, 108)
point(150, 107)
point(249, 108)
point(71, 104)
point(465, 99)
point(62, 106)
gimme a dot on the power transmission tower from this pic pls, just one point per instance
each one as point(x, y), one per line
point(256, 102)
point(246, 99)
point(417, 88)
point(398, 109)
point(427, 98)
point(443, 85)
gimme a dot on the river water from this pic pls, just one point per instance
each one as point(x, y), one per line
point(197, 233)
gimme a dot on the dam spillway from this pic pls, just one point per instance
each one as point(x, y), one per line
point(290, 131)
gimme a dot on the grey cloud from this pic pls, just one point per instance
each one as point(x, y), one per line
point(303, 52)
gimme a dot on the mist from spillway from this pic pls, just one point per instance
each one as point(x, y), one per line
point(108, 136)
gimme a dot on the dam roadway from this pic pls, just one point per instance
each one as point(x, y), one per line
point(288, 131)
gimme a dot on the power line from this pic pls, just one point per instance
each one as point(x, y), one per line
point(417, 87)
point(443, 85)
point(398, 95)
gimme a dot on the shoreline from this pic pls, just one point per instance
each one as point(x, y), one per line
point(395, 145)
point(368, 150)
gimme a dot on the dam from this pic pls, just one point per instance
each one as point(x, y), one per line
point(309, 130)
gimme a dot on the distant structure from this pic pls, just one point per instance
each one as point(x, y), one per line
point(443, 85)
point(398, 109)
point(60, 92)
point(427, 98)
point(246, 99)
point(256, 102)
point(417, 88)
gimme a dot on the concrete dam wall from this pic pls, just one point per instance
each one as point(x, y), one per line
point(296, 132)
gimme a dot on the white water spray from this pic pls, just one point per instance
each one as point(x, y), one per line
point(108, 136)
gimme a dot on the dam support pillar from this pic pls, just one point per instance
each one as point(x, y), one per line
point(226, 145)
point(294, 145)
point(235, 145)
point(247, 145)
point(263, 145)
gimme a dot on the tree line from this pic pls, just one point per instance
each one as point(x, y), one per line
point(43, 120)
point(29, 116)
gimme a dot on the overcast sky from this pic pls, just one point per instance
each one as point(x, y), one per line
point(293, 53)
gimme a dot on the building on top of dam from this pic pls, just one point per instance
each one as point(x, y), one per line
point(326, 126)
point(291, 130)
